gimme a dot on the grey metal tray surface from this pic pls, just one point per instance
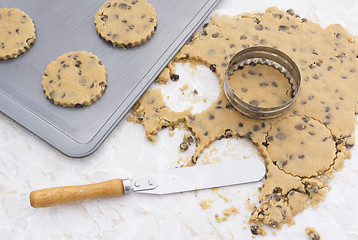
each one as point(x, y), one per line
point(68, 25)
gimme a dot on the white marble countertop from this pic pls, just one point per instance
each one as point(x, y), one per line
point(27, 163)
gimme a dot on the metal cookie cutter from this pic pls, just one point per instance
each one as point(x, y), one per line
point(268, 56)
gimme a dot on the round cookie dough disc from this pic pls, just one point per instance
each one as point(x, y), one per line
point(17, 32)
point(126, 23)
point(301, 146)
point(74, 79)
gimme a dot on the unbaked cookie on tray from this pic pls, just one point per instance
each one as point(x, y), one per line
point(126, 23)
point(74, 79)
point(17, 32)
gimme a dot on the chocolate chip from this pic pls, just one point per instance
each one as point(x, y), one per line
point(259, 27)
point(256, 128)
point(104, 18)
point(78, 63)
point(134, 2)
point(124, 21)
point(277, 197)
point(254, 102)
point(228, 133)
point(277, 15)
point(211, 116)
point(116, 16)
point(191, 118)
point(281, 136)
point(273, 224)
point(215, 35)
point(183, 146)
point(251, 72)
point(206, 133)
point(100, 62)
point(122, 6)
point(290, 11)
point(232, 45)
point(341, 55)
point(329, 68)
point(301, 156)
point(274, 84)
point(300, 127)
point(243, 37)
point(53, 94)
point(229, 106)
point(283, 28)
point(115, 36)
point(174, 77)
point(269, 139)
point(212, 67)
point(17, 30)
point(151, 19)
point(241, 125)
point(249, 135)
point(2, 45)
point(315, 76)
point(131, 27)
point(254, 229)
point(314, 52)
point(311, 133)
point(263, 84)
point(263, 41)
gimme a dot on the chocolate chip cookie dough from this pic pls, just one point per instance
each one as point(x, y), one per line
point(17, 32)
point(74, 79)
point(126, 23)
point(261, 85)
point(304, 147)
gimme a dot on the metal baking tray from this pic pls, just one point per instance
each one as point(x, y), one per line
point(68, 25)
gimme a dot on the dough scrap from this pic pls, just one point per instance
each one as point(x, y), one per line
point(328, 100)
point(17, 32)
point(126, 23)
point(74, 79)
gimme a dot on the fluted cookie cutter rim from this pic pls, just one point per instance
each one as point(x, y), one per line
point(271, 57)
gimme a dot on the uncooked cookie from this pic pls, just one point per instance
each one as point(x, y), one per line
point(126, 23)
point(327, 101)
point(261, 85)
point(74, 79)
point(17, 32)
point(312, 148)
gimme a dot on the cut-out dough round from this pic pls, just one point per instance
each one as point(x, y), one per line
point(17, 32)
point(312, 148)
point(261, 85)
point(74, 79)
point(126, 23)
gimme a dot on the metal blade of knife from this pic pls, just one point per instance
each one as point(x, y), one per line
point(198, 177)
point(162, 182)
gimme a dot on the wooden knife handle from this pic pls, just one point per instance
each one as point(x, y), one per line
point(60, 195)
